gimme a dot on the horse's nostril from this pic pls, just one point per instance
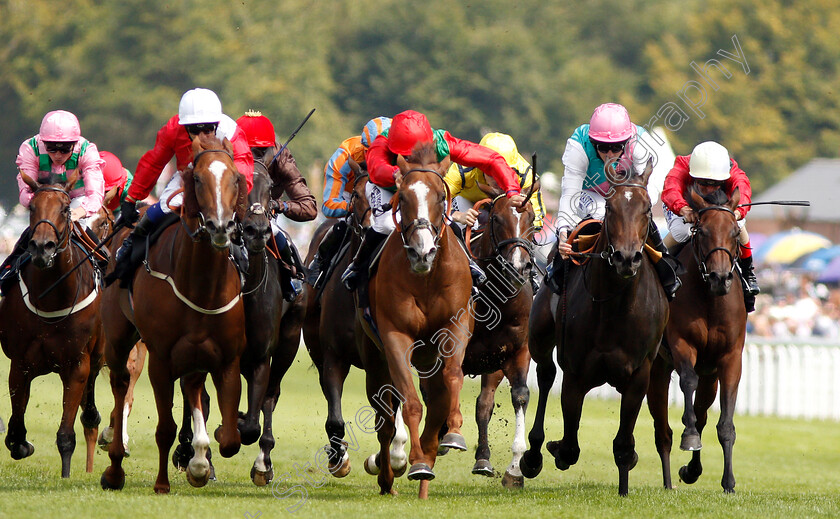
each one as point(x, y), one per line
point(231, 225)
point(49, 246)
point(637, 258)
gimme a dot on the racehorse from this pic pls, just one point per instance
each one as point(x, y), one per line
point(499, 347)
point(56, 330)
point(607, 325)
point(331, 335)
point(187, 306)
point(704, 339)
point(421, 306)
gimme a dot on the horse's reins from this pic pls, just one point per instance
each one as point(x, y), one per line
point(420, 223)
point(701, 263)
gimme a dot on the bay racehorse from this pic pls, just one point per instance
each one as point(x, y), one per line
point(333, 338)
point(704, 339)
point(186, 303)
point(607, 325)
point(421, 307)
point(499, 346)
point(53, 330)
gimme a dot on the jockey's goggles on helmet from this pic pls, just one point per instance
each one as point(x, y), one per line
point(606, 147)
point(708, 182)
point(198, 129)
point(59, 147)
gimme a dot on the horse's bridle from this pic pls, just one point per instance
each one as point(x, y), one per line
point(610, 250)
point(419, 223)
point(202, 223)
point(497, 245)
point(698, 254)
point(356, 222)
point(63, 238)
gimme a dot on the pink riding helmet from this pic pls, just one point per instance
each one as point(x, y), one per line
point(60, 126)
point(610, 123)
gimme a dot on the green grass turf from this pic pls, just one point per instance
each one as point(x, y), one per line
point(783, 468)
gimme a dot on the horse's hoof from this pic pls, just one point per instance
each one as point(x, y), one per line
point(442, 451)
point(106, 481)
point(342, 469)
point(554, 449)
point(399, 471)
point(248, 435)
point(531, 464)
point(105, 438)
point(453, 441)
point(182, 455)
point(513, 482)
point(420, 472)
point(483, 468)
point(371, 467)
point(686, 476)
point(261, 478)
point(19, 451)
point(202, 478)
point(690, 442)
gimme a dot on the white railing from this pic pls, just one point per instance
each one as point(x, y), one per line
point(796, 378)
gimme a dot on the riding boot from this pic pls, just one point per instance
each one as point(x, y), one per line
point(668, 266)
point(353, 274)
point(477, 274)
point(326, 249)
point(750, 284)
point(555, 276)
point(535, 279)
point(13, 262)
point(124, 266)
point(239, 253)
point(287, 285)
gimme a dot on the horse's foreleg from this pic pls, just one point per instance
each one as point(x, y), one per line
point(706, 392)
point(333, 374)
point(517, 374)
point(74, 379)
point(198, 469)
point(228, 391)
point(90, 417)
point(163, 387)
point(453, 379)
point(688, 385)
point(729, 372)
point(657, 399)
point(531, 462)
point(20, 382)
point(184, 451)
point(483, 412)
point(256, 377)
point(381, 398)
point(567, 451)
point(624, 444)
point(135, 367)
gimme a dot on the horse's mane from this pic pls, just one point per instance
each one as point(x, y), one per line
point(423, 153)
point(190, 204)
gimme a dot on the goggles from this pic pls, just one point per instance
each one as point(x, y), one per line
point(59, 147)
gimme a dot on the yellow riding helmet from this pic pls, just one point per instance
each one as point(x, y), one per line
point(504, 145)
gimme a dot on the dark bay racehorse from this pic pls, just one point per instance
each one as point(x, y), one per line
point(60, 332)
point(272, 327)
point(333, 337)
point(607, 326)
point(187, 306)
point(420, 303)
point(704, 340)
point(499, 346)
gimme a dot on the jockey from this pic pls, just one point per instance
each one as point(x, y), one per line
point(116, 175)
point(610, 137)
point(199, 111)
point(286, 178)
point(47, 157)
point(463, 186)
point(337, 175)
point(408, 129)
point(709, 168)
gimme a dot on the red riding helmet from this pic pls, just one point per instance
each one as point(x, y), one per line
point(407, 129)
point(258, 129)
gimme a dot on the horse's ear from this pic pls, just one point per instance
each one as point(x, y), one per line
point(647, 172)
point(226, 144)
point(110, 195)
point(734, 199)
point(443, 167)
point(403, 165)
point(196, 145)
point(29, 181)
point(695, 199)
point(72, 177)
point(488, 190)
point(354, 166)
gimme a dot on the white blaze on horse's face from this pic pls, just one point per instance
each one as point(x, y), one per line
point(218, 168)
point(628, 195)
point(518, 257)
point(426, 236)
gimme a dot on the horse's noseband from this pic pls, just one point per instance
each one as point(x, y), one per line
point(698, 254)
point(418, 223)
point(62, 237)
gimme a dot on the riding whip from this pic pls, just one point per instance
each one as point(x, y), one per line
point(292, 136)
point(803, 203)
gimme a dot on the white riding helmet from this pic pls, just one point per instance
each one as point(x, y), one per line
point(198, 106)
point(710, 161)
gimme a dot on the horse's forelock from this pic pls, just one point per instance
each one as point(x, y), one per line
point(423, 153)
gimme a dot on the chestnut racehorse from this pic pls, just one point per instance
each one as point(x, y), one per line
point(704, 339)
point(420, 304)
point(187, 306)
point(607, 326)
point(499, 346)
point(56, 330)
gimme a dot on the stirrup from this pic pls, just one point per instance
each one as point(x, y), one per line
point(478, 275)
point(350, 277)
